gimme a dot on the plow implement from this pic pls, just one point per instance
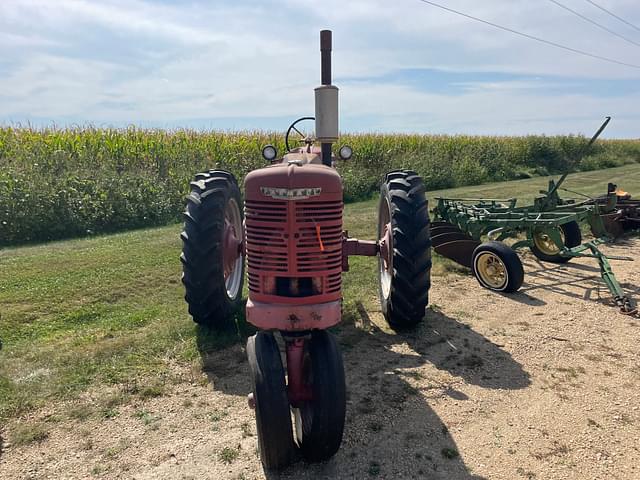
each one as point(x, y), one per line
point(461, 224)
point(473, 231)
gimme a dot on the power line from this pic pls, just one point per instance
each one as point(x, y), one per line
point(531, 37)
point(613, 15)
point(593, 22)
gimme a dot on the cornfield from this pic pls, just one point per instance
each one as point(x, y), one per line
point(60, 183)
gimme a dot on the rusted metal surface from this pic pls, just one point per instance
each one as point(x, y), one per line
point(460, 251)
point(452, 243)
point(232, 248)
point(297, 318)
point(297, 390)
point(625, 215)
point(294, 243)
point(353, 246)
point(325, 57)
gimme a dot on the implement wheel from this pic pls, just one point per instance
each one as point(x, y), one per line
point(404, 263)
point(320, 421)
point(545, 248)
point(273, 416)
point(212, 260)
point(497, 267)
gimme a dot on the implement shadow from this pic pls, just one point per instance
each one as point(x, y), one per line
point(572, 280)
point(392, 432)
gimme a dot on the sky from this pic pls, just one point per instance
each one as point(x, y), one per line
point(401, 65)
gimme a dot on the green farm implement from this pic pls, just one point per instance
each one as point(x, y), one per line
point(550, 228)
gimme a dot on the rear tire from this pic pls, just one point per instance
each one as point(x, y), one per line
point(497, 267)
point(212, 299)
point(320, 422)
point(405, 272)
point(572, 238)
point(273, 415)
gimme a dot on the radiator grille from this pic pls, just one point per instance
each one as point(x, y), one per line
point(276, 247)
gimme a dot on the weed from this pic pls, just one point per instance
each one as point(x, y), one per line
point(375, 426)
point(246, 430)
point(28, 434)
point(98, 470)
point(146, 417)
point(228, 455)
point(80, 412)
point(449, 453)
point(109, 413)
point(374, 468)
point(152, 391)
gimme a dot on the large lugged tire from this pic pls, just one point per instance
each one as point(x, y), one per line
point(213, 226)
point(405, 255)
point(497, 267)
point(320, 422)
point(544, 248)
point(273, 414)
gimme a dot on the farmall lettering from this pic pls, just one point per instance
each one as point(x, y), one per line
point(290, 193)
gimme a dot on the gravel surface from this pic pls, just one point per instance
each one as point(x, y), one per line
point(543, 384)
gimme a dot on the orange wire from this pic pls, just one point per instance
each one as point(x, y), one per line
point(319, 237)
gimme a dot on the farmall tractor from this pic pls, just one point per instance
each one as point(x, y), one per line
point(292, 240)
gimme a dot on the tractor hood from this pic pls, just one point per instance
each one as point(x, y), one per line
point(290, 181)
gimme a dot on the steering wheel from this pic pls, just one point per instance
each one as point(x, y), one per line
point(292, 127)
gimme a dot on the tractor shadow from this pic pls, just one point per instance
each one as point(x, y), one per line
point(573, 280)
point(391, 430)
point(223, 355)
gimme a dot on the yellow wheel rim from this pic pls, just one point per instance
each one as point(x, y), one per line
point(545, 243)
point(491, 270)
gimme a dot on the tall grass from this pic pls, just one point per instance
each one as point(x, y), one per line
point(58, 183)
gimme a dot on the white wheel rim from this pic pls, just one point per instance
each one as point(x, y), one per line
point(234, 280)
point(385, 266)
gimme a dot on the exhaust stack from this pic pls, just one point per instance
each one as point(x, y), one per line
point(326, 101)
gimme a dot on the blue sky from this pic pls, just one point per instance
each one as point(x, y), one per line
point(401, 65)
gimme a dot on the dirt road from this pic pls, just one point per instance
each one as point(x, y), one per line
point(544, 384)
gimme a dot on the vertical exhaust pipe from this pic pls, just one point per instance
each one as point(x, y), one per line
point(326, 101)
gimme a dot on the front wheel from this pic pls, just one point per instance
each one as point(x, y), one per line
point(273, 416)
point(320, 421)
point(547, 250)
point(497, 267)
point(404, 263)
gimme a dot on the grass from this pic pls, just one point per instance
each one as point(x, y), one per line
point(28, 434)
point(109, 311)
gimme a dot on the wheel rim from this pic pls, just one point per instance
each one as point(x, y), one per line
point(545, 243)
point(231, 254)
point(385, 241)
point(303, 415)
point(491, 270)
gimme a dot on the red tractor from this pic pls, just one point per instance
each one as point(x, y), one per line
point(291, 236)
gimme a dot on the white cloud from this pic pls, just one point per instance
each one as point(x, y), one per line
point(118, 61)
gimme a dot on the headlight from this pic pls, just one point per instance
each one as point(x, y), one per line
point(269, 152)
point(345, 152)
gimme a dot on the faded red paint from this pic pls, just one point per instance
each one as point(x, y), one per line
point(231, 248)
point(293, 246)
point(297, 390)
point(293, 318)
point(353, 246)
